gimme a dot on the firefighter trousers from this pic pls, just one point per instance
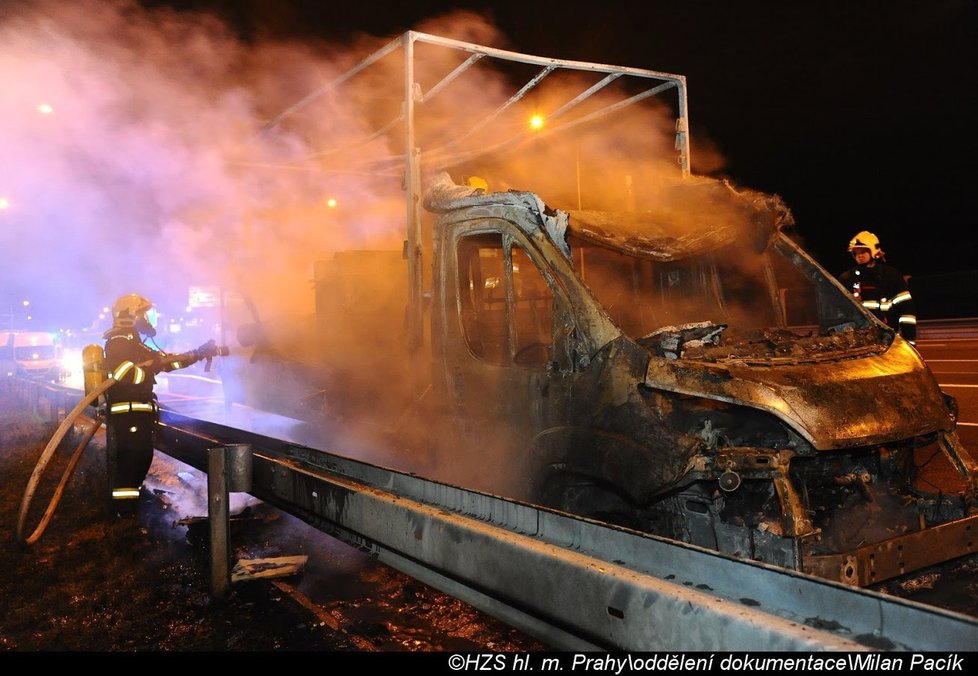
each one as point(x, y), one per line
point(129, 445)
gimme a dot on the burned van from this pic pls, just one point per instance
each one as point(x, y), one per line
point(693, 373)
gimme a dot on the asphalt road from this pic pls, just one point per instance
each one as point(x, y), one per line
point(954, 362)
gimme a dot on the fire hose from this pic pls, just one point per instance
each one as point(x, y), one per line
point(72, 463)
point(53, 444)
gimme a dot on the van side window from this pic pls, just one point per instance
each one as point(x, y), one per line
point(506, 306)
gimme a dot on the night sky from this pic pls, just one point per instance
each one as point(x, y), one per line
point(861, 115)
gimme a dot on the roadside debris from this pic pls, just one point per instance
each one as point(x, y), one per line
point(254, 569)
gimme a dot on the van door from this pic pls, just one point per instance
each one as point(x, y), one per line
point(499, 310)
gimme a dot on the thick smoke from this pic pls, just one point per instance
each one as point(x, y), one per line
point(130, 144)
point(149, 151)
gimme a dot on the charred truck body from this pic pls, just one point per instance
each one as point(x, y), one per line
point(701, 378)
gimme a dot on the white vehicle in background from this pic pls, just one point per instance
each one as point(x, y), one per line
point(34, 354)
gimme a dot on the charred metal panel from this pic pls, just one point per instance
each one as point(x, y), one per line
point(832, 404)
point(614, 435)
point(897, 556)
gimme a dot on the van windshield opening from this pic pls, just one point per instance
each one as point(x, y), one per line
point(748, 295)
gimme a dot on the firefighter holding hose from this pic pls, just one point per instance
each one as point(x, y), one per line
point(131, 406)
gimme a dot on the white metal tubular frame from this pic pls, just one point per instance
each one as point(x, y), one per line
point(442, 157)
point(414, 160)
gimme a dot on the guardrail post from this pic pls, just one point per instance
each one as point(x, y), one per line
point(228, 471)
point(55, 400)
point(33, 397)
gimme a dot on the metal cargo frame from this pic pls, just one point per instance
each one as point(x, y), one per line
point(413, 158)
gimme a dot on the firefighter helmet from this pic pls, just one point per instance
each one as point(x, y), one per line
point(134, 311)
point(866, 240)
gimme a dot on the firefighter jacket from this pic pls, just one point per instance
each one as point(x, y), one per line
point(885, 292)
point(134, 366)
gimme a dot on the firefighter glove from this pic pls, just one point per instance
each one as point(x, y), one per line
point(207, 350)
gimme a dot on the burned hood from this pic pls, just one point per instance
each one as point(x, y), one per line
point(872, 399)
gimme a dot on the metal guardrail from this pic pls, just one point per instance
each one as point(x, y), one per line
point(574, 583)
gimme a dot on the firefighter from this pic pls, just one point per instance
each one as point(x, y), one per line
point(881, 288)
point(131, 407)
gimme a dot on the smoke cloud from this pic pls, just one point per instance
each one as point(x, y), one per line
point(128, 136)
point(138, 154)
point(151, 151)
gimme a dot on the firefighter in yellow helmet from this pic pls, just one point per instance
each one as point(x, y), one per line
point(132, 410)
point(881, 288)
